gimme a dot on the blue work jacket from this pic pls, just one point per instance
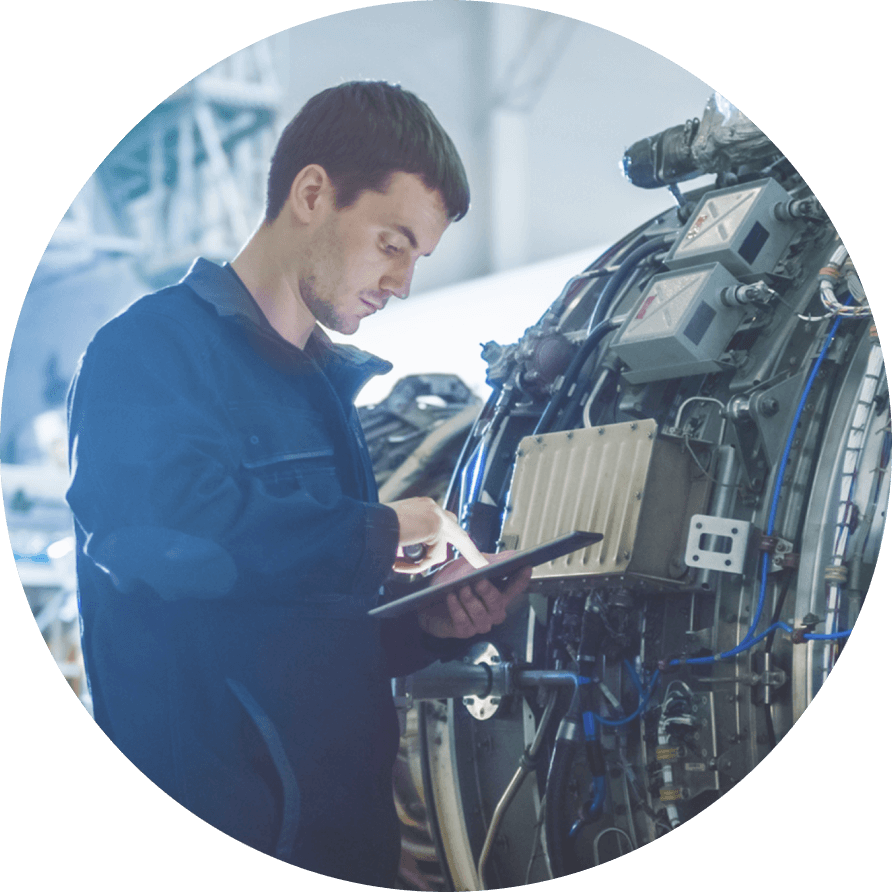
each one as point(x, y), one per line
point(230, 544)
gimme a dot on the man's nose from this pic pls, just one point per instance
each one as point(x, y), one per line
point(398, 279)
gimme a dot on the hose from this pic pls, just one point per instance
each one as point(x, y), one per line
point(525, 766)
point(598, 326)
point(558, 844)
point(630, 263)
point(591, 342)
point(559, 851)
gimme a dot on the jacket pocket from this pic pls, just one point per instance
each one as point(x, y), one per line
point(290, 791)
point(286, 449)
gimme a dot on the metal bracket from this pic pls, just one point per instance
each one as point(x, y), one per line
point(485, 707)
point(781, 554)
point(717, 543)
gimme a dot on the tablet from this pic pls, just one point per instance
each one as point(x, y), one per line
point(531, 557)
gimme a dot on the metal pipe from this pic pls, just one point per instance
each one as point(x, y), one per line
point(530, 678)
point(443, 681)
point(523, 769)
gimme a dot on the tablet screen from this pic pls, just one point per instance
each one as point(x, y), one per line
point(531, 557)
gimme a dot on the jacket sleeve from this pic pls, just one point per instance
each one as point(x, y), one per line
point(163, 501)
point(407, 648)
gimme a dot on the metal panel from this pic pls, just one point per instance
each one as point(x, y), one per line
point(581, 480)
point(620, 480)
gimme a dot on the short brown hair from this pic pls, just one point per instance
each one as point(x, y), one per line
point(361, 133)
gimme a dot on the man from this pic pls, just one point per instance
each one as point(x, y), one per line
point(230, 542)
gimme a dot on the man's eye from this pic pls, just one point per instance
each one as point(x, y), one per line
point(391, 249)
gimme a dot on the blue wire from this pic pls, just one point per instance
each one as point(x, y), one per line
point(782, 470)
point(748, 639)
point(645, 696)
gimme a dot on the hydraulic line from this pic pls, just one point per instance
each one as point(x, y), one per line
point(630, 263)
point(578, 727)
point(558, 844)
point(591, 342)
point(599, 325)
point(524, 767)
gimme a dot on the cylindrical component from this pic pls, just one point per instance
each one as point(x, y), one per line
point(798, 209)
point(734, 295)
point(662, 159)
point(531, 678)
point(739, 295)
point(767, 690)
point(442, 681)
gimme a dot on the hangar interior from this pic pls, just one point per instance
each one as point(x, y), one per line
point(689, 367)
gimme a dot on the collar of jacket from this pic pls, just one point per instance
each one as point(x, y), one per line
point(348, 367)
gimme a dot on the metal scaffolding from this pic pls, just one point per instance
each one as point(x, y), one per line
point(188, 180)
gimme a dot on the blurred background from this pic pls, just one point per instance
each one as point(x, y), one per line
point(540, 107)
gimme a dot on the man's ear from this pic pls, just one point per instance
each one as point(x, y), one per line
point(310, 191)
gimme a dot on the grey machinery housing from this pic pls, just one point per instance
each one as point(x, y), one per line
point(710, 395)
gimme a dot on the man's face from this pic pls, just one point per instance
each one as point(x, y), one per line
point(360, 256)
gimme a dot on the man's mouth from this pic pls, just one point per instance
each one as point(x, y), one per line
point(374, 305)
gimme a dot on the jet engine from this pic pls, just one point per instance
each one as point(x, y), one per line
point(709, 394)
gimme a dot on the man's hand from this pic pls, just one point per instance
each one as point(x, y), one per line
point(423, 522)
point(475, 608)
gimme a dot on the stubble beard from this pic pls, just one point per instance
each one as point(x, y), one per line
point(323, 312)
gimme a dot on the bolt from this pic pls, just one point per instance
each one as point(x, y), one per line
point(769, 406)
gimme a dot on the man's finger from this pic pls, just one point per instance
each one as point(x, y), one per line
point(477, 608)
point(463, 543)
point(462, 624)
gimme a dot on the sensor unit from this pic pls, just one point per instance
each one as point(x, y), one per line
point(736, 227)
point(680, 327)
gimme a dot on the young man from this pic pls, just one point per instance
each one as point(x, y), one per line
point(230, 542)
